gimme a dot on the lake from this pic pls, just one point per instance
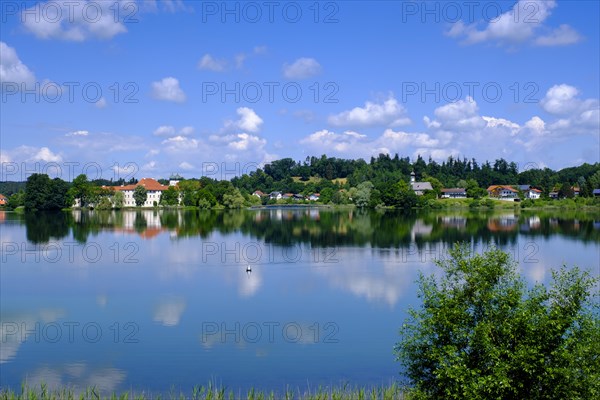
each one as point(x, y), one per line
point(269, 298)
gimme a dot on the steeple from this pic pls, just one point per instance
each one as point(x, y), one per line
point(412, 177)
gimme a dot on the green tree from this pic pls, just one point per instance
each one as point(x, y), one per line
point(435, 184)
point(480, 334)
point(234, 199)
point(170, 197)
point(81, 189)
point(326, 195)
point(16, 200)
point(118, 199)
point(362, 195)
point(37, 191)
point(473, 189)
point(43, 193)
point(565, 191)
point(399, 195)
point(140, 194)
point(104, 204)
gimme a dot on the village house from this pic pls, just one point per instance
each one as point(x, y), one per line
point(454, 193)
point(530, 192)
point(314, 197)
point(596, 193)
point(3, 200)
point(503, 192)
point(419, 187)
point(153, 187)
point(275, 195)
point(259, 194)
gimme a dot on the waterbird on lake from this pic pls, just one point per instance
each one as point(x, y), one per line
point(248, 268)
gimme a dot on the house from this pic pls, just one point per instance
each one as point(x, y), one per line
point(553, 194)
point(454, 193)
point(575, 190)
point(298, 197)
point(314, 197)
point(259, 194)
point(596, 193)
point(174, 179)
point(153, 192)
point(287, 196)
point(3, 200)
point(275, 195)
point(502, 192)
point(530, 192)
point(419, 187)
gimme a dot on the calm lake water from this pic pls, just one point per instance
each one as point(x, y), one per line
point(154, 300)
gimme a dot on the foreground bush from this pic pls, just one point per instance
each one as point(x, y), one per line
point(480, 334)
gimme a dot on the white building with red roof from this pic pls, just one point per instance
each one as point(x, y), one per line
point(153, 188)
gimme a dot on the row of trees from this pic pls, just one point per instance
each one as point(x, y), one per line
point(382, 181)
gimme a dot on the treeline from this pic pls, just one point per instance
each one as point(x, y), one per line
point(384, 169)
point(383, 181)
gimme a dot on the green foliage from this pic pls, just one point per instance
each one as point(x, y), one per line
point(362, 195)
point(104, 204)
point(234, 199)
point(488, 203)
point(118, 200)
point(81, 189)
point(170, 197)
point(527, 203)
point(566, 191)
point(42, 193)
point(399, 195)
point(140, 194)
point(16, 200)
point(480, 334)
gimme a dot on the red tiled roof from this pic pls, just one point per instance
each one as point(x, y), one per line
point(148, 183)
point(494, 187)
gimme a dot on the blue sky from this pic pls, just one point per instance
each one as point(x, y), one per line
point(146, 88)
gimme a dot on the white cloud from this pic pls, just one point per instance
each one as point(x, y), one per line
point(78, 133)
point(536, 125)
point(388, 113)
point(245, 141)
point(260, 50)
point(101, 103)
point(208, 62)
point(501, 122)
point(248, 121)
point(152, 153)
point(76, 20)
point(12, 68)
point(168, 89)
point(522, 23)
point(46, 155)
point(186, 130)
point(168, 130)
point(302, 68)
point(563, 99)
point(150, 166)
point(164, 130)
point(461, 115)
point(350, 143)
point(179, 143)
point(186, 166)
point(561, 36)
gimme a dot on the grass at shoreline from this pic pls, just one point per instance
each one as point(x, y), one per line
point(209, 392)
